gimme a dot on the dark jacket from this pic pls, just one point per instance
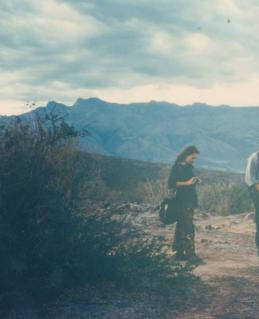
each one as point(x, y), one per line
point(186, 195)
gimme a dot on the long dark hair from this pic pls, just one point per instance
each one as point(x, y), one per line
point(189, 150)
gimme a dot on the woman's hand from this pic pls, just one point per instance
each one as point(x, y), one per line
point(192, 181)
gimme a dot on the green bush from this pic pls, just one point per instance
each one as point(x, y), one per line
point(113, 251)
point(36, 204)
point(225, 198)
point(47, 241)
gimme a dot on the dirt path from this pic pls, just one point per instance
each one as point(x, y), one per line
point(231, 272)
point(227, 286)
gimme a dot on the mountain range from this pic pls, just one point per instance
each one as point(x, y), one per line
point(157, 131)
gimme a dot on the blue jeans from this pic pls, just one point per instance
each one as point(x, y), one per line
point(184, 232)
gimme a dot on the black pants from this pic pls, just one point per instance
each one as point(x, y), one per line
point(184, 232)
point(255, 196)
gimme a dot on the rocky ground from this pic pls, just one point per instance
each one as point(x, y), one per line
point(225, 287)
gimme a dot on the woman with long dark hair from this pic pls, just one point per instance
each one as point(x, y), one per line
point(183, 181)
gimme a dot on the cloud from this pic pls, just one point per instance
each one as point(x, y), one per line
point(60, 48)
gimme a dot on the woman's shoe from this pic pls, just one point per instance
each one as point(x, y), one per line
point(195, 260)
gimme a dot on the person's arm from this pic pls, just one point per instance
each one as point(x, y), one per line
point(250, 174)
point(189, 182)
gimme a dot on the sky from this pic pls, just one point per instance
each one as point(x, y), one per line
point(180, 51)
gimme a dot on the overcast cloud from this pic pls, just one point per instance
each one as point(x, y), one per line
point(177, 50)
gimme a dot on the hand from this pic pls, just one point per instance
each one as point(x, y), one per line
point(192, 181)
point(198, 180)
point(257, 187)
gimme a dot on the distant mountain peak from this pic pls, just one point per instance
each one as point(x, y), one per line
point(51, 104)
point(55, 106)
point(90, 100)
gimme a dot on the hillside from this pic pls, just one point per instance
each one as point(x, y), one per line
point(156, 131)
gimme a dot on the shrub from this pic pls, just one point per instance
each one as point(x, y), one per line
point(113, 251)
point(37, 196)
point(225, 198)
point(47, 241)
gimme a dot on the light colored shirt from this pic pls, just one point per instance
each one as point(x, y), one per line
point(252, 170)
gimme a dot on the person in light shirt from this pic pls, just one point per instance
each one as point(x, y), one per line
point(252, 181)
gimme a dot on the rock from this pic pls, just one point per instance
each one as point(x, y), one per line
point(106, 204)
point(136, 207)
point(210, 227)
point(124, 206)
point(204, 215)
point(205, 241)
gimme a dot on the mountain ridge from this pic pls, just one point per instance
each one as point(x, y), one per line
point(156, 131)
